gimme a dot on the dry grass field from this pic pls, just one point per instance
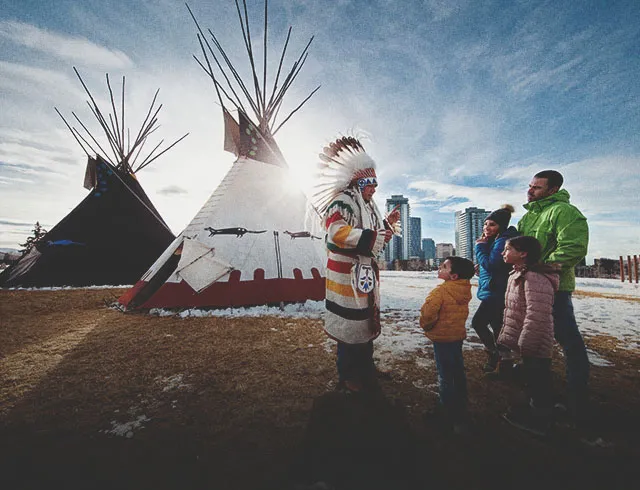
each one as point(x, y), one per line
point(91, 398)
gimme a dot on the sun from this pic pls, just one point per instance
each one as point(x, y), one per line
point(301, 160)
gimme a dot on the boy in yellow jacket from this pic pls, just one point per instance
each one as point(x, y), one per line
point(443, 316)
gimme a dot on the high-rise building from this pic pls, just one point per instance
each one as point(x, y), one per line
point(428, 249)
point(468, 229)
point(443, 250)
point(415, 237)
point(398, 247)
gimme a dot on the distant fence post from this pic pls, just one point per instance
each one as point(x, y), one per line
point(629, 270)
point(621, 269)
point(635, 263)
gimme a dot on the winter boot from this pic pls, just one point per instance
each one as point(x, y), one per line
point(493, 358)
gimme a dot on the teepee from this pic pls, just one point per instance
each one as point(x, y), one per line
point(248, 245)
point(115, 233)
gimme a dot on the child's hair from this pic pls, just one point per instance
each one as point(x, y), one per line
point(461, 266)
point(527, 244)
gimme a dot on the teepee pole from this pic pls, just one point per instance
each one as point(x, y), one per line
point(73, 133)
point(265, 103)
point(295, 110)
point(235, 74)
point(264, 64)
point(122, 118)
point(275, 82)
point(100, 118)
point(96, 112)
point(237, 103)
point(89, 133)
point(295, 70)
point(201, 37)
point(146, 119)
point(114, 121)
point(210, 71)
point(118, 136)
point(219, 87)
point(246, 34)
point(147, 162)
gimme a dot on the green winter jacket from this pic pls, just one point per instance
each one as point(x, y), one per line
point(562, 231)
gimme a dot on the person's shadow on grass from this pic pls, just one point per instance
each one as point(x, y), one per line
point(355, 441)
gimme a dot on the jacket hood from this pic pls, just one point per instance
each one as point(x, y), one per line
point(561, 196)
point(554, 277)
point(549, 271)
point(459, 290)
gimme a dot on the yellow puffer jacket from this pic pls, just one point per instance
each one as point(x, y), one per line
point(445, 311)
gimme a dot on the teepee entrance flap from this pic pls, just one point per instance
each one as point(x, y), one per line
point(199, 266)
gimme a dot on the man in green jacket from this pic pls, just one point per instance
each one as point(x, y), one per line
point(563, 233)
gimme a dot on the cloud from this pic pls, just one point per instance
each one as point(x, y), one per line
point(24, 79)
point(172, 190)
point(14, 223)
point(47, 152)
point(67, 48)
point(444, 194)
point(443, 9)
point(603, 186)
point(465, 145)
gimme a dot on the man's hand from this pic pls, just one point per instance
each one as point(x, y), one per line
point(482, 239)
point(394, 215)
point(388, 234)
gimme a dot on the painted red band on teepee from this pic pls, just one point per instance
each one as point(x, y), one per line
point(234, 292)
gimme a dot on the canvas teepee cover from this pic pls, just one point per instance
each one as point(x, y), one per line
point(111, 237)
point(115, 233)
point(248, 245)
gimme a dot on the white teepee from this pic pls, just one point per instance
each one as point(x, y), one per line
point(248, 245)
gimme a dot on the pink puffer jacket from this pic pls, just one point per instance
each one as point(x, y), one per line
point(528, 312)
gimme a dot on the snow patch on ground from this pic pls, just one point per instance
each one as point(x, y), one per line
point(126, 429)
point(172, 383)
point(597, 360)
point(309, 309)
point(70, 288)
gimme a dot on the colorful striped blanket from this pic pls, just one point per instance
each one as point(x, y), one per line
point(355, 236)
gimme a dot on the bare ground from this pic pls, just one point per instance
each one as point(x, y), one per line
point(93, 398)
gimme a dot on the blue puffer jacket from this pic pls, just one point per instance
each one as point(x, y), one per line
point(494, 273)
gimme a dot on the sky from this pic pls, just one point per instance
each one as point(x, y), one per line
point(459, 102)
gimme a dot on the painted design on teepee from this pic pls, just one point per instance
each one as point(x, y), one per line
point(238, 231)
point(234, 251)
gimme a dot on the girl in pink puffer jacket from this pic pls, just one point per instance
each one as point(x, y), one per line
point(528, 329)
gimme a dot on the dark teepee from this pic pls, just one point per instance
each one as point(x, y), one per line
point(115, 233)
point(248, 245)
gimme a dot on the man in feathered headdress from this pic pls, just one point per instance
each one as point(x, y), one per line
point(356, 235)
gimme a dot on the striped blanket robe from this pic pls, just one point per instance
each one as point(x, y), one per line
point(355, 235)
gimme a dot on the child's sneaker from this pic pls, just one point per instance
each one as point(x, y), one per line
point(523, 417)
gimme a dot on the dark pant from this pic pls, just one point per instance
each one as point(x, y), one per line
point(575, 353)
point(452, 379)
point(355, 362)
point(537, 378)
point(490, 312)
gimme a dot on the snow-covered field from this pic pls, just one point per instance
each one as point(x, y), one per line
point(402, 295)
point(404, 292)
point(607, 307)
